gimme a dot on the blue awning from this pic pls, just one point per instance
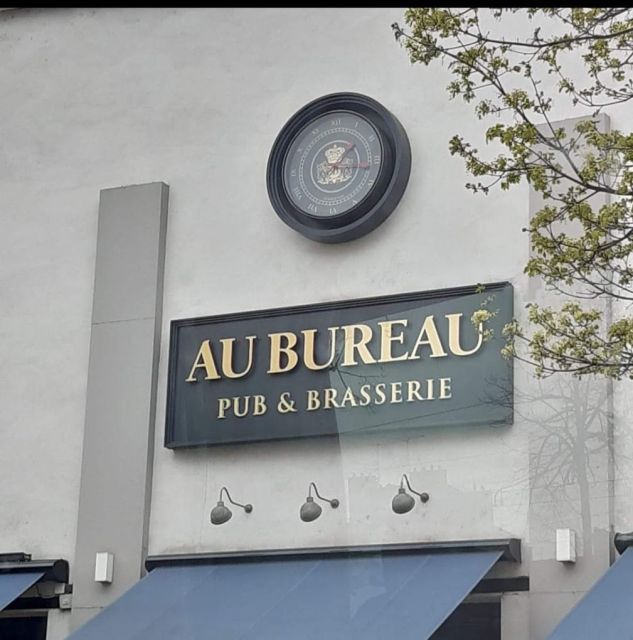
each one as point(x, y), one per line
point(356, 597)
point(605, 612)
point(13, 585)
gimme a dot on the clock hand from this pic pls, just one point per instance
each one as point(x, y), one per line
point(362, 165)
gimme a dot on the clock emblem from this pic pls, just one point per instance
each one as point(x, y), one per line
point(338, 167)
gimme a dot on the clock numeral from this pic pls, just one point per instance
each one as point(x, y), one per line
point(315, 131)
point(335, 123)
point(356, 125)
point(312, 207)
point(297, 193)
point(376, 159)
point(293, 173)
point(370, 183)
point(333, 210)
point(371, 138)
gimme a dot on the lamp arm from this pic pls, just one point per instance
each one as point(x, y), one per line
point(423, 496)
point(247, 507)
point(333, 502)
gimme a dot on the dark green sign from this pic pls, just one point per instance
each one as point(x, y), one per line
point(407, 361)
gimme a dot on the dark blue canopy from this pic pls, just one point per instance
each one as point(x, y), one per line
point(606, 612)
point(358, 597)
point(13, 585)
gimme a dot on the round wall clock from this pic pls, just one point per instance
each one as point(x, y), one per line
point(338, 167)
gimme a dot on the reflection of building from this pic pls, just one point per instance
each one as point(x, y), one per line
point(473, 504)
point(101, 110)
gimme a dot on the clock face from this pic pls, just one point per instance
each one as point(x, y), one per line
point(332, 163)
point(338, 168)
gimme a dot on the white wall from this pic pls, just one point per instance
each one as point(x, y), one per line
point(96, 98)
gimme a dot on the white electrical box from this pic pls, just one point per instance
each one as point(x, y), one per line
point(565, 545)
point(65, 601)
point(104, 565)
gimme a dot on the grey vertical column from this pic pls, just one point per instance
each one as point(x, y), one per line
point(116, 470)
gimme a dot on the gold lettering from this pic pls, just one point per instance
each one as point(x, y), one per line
point(223, 405)
point(396, 392)
point(204, 360)
point(227, 357)
point(309, 350)
point(413, 388)
point(453, 335)
point(445, 388)
point(386, 338)
point(240, 413)
point(380, 393)
point(277, 350)
point(313, 400)
point(433, 340)
point(259, 405)
point(429, 389)
point(329, 398)
point(348, 396)
point(352, 345)
point(364, 394)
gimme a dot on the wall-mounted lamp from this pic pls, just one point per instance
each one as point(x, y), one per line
point(221, 514)
point(402, 502)
point(310, 510)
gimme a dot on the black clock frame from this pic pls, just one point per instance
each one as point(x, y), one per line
point(388, 188)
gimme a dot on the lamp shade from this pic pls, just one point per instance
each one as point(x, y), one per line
point(310, 510)
point(220, 514)
point(402, 502)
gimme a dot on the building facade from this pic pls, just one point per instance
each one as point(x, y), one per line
point(135, 145)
